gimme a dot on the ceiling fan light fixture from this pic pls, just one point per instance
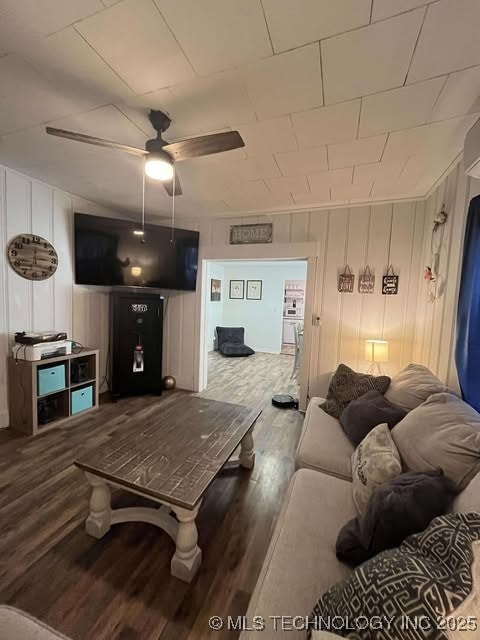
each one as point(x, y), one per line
point(158, 168)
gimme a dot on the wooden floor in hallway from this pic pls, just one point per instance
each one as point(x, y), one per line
point(120, 587)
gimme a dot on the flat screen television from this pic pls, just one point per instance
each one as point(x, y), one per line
point(109, 253)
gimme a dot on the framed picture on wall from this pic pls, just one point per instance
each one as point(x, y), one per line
point(254, 289)
point(237, 289)
point(215, 290)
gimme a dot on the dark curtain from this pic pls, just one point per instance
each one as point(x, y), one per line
point(467, 352)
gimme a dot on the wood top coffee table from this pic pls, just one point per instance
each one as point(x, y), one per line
point(171, 457)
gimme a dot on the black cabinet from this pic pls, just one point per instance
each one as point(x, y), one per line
point(136, 343)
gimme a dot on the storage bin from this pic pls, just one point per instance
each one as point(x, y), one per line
point(51, 379)
point(81, 399)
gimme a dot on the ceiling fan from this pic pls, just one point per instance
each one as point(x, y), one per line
point(160, 155)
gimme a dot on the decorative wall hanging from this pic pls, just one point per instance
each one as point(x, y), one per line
point(237, 289)
point(215, 290)
point(436, 283)
point(366, 281)
point(390, 283)
point(251, 233)
point(254, 289)
point(32, 257)
point(346, 281)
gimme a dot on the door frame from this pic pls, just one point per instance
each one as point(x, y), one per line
point(279, 251)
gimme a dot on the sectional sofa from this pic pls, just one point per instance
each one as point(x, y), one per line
point(300, 563)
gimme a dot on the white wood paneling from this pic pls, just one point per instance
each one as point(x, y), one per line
point(434, 340)
point(29, 206)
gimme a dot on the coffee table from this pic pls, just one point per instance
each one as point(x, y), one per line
point(171, 455)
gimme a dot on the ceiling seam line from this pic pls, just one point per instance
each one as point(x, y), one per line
point(103, 59)
point(174, 37)
point(416, 45)
point(267, 27)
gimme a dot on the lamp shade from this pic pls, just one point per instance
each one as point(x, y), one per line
point(376, 350)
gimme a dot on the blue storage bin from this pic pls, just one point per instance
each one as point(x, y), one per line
point(82, 399)
point(51, 379)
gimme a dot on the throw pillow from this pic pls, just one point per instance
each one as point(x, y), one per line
point(413, 385)
point(375, 461)
point(398, 508)
point(407, 592)
point(364, 413)
point(347, 385)
point(442, 433)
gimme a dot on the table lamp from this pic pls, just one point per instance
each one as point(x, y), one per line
point(376, 352)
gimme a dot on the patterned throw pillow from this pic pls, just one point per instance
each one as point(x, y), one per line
point(375, 461)
point(347, 385)
point(413, 592)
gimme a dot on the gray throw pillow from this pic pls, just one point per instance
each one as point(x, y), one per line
point(375, 461)
point(363, 414)
point(442, 433)
point(347, 385)
point(413, 385)
point(404, 505)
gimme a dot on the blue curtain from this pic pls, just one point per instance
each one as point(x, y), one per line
point(467, 352)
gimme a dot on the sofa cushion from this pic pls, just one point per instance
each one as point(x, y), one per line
point(412, 386)
point(300, 562)
point(469, 498)
point(404, 505)
point(347, 385)
point(442, 433)
point(428, 577)
point(18, 625)
point(376, 460)
point(323, 445)
point(366, 412)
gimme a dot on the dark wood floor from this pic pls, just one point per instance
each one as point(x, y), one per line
point(120, 587)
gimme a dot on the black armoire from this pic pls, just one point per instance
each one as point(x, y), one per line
point(136, 334)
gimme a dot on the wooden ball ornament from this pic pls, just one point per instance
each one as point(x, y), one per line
point(169, 383)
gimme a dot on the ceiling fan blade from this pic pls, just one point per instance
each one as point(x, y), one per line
point(204, 145)
point(99, 142)
point(169, 187)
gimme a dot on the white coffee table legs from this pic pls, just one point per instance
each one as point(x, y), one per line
point(182, 529)
point(188, 555)
point(247, 450)
point(98, 522)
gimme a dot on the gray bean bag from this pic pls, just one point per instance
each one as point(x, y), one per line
point(230, 342)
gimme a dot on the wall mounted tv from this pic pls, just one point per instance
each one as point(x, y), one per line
point(109, 253)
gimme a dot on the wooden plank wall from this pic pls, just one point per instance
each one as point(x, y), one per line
point(434, 341)
point(29, 206)
point(376, 235)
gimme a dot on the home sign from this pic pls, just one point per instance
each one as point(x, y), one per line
point(251, 233)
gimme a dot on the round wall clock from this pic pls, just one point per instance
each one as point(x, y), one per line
point(32, 257)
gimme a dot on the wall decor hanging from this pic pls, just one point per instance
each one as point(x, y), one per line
point(215, 290)
point(237, 289)
point(366, 281)
point(436, 284)
point(251, 233)
point(32, 257)
point(346, 281)
point(390, 283)
point(254, 289)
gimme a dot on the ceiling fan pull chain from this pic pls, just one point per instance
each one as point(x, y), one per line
point(173, 206)
point(143, 200)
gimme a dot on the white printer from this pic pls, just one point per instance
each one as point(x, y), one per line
point(41, 346)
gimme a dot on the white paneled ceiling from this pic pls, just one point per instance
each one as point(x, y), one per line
point(338, 101)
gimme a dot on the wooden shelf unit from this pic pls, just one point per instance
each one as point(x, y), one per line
point(23, 393)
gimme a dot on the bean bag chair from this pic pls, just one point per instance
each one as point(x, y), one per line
point(230, 342)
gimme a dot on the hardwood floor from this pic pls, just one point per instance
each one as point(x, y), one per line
point(120, 587)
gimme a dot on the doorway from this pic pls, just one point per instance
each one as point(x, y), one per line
point(265, 298)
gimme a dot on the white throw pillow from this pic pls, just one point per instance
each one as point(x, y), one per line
point(413, 385)
point(375, 461)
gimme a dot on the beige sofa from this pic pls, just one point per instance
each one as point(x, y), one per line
point(301, 563)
